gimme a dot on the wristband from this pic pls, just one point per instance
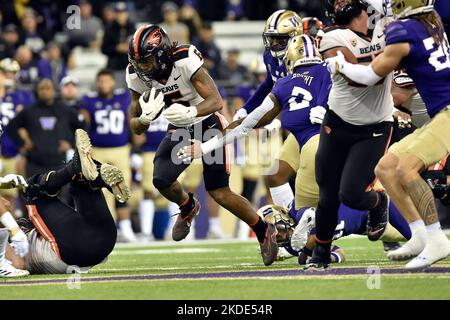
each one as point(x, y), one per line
point(211, 145)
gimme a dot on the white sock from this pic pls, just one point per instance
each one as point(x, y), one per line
point(214, 224)
point(146, 215)
point(125, 225)
point(4, 234)
point(173, 209)
point(282, 195)
point(418, 224)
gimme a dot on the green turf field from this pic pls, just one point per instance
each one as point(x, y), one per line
point(233, 270)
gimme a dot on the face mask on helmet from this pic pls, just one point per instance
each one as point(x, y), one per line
point(283, 222)
point(342, 12)
point(276, 43)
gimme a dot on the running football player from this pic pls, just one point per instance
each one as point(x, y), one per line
point(306, 86)
point(417, 42)
point(162, 73)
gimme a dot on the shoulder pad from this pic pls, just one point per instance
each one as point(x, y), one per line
point(181, 52)
point(332, 28)
point(397, 32)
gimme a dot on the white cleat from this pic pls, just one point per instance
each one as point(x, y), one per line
point(410, 249)
point(127, 236)
point(303, 229)
point(437, 248)
point(8, 271)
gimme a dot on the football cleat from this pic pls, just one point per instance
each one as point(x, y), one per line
point(113, 177)
point(269, 247)
point(320, 260)
point(82, 161)
point(303, 229)
point(182, 226)
point(7, 270)
point(391, 246)
point(283, 254)
point(378, 218)
point(437, 248)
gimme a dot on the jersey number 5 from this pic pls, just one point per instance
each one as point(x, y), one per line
point(300, 99)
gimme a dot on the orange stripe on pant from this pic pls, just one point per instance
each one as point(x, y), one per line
point(370, 186)
point(42, 228)
point(223, 122)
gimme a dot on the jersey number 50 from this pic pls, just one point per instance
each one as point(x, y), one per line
point(109, 122)
point(300, 99)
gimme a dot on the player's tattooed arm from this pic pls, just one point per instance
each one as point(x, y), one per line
point(135, 112)
point(207, 89)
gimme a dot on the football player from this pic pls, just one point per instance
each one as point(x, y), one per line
point(63, 239)
point(12, 101)
point(177, 79)
point(306, 86)
point(417, 42)
point(106, 112)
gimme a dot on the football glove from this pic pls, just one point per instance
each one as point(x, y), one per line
point(336, 64)
point(317, 114)
point(12, 181)
point(180, 115)
point(19, 242)
point(152, 107)
point(241, 113)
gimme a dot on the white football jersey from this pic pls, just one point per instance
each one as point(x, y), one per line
point(178, 88)
point(359, 104)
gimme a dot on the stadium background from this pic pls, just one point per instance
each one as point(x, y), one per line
point(227, 32)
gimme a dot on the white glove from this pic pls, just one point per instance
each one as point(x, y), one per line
point(273, 126)
point(180, 115)
point(241, 113)
point(13, 181)
point(336, 64)
point(152, 107)
point(19, 242)
point(317, 114)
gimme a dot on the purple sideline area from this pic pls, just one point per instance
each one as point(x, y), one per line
point(241, 274)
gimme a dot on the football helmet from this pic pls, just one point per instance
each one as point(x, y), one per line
point(12, 67)
point(302, 50)
point(346, 13)
point(406, 8)
point(281, 26)
point(149, 53)
point(280, 218)
point(313, 27)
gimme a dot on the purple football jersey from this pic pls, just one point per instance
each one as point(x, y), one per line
point(109, 119)
point(427, 64)
point(307, 88)
point(10, 105)
point(155, 133)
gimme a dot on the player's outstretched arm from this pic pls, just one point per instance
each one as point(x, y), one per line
point(369, 75)
point(261, 116)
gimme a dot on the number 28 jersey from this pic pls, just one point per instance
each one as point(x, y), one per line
point(179, 87)
point(109, 118)
point(427, 64)
point(306, 88)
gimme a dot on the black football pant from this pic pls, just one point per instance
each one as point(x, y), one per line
point(345, 163)
point(82, 236)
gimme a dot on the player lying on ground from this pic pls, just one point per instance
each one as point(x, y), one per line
point(417, 42)
point(64, 239)
point(193, 101)
point(296, 229)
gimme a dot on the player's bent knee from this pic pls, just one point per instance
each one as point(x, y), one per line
point(219, 195)
point(161, 183)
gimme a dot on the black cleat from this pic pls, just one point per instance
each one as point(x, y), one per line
point(378, 218)
point(391, 246)
point(269, 247)
point(182, 226)
point(320, 259)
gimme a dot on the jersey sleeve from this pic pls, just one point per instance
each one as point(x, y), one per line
point(279, 86)
point(332, 38)
point(261, 92)
point(397, 32)
point(189, 59)
point(133, 81)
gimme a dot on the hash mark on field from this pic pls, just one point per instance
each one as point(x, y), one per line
point(167, 251)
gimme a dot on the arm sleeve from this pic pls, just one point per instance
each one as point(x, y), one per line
point(360, 73)
point(243, 129)
point(263, 90)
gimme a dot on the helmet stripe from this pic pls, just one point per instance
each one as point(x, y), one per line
point(305, 44)
point(136, 37)
point(308, 43)
point(276, 17)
